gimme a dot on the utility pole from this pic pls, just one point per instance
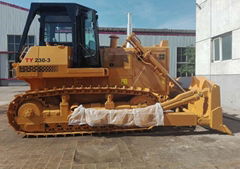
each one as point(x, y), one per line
point(129, 27)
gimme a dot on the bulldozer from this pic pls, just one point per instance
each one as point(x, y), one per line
point(69, 68)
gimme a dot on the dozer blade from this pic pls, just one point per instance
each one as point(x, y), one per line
point(208, 107)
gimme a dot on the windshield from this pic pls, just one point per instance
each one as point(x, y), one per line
point(60, 32)
point(58, 29)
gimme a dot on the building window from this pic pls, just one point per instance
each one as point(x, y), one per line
point(13, 45)
point(216, 46)
point(185, 61)
point(222, 47)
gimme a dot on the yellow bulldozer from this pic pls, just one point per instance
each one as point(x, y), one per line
point(78, 87)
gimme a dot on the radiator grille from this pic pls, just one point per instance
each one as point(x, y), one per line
point(38, 69)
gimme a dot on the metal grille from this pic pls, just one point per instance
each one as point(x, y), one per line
point(38, 69)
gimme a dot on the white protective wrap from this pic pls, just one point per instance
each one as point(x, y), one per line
point(141, 117)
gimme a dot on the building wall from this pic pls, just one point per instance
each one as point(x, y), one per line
point(151, 40)
point(3, 66)
point(12, 21)
point(214, 18)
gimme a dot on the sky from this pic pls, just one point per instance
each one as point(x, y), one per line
point(155, 14)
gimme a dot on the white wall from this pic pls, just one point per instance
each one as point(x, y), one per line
point(230, 88)
point(217, 17)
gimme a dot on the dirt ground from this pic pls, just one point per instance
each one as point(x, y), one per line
point(161, 148)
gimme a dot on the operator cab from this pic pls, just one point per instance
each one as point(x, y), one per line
point(67, 24)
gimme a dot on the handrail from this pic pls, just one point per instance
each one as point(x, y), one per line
point(23, 53)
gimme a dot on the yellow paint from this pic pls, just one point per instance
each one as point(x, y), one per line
point(124, 81)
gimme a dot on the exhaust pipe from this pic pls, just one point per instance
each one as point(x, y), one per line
point(113, 41)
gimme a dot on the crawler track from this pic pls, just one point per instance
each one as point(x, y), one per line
point(64, 128)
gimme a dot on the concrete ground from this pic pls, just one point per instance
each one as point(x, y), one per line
point(162, 148)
